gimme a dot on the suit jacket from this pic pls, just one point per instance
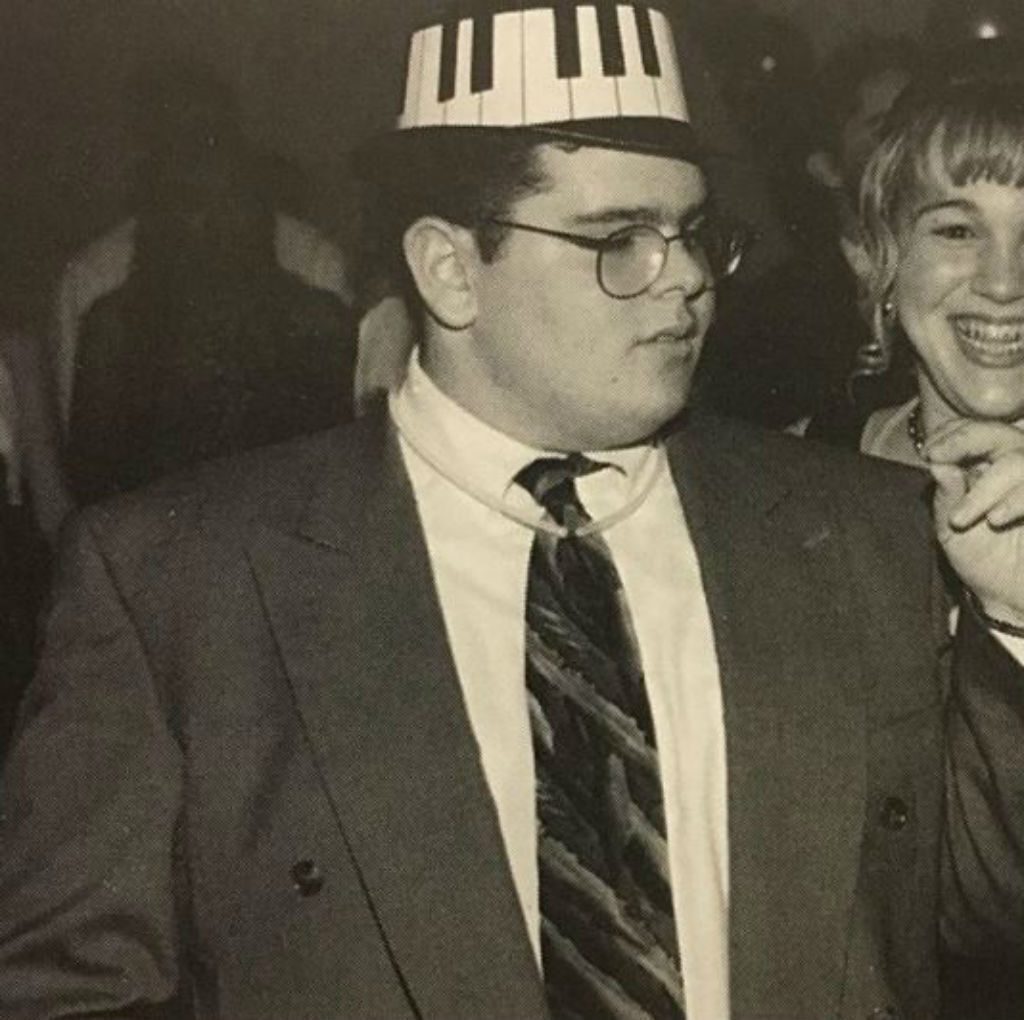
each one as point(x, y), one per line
point(245, 784)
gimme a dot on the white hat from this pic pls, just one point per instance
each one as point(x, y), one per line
point(599, 72)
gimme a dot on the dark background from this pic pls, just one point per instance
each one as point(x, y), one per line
point(313, 77)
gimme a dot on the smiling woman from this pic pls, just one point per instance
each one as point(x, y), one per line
point(943, 215)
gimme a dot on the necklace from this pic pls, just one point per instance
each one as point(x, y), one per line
point(915, 430)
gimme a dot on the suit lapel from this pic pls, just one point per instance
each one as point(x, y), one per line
point(773, 574)
point(353, 605)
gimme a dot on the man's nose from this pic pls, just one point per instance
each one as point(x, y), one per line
point(686, 268)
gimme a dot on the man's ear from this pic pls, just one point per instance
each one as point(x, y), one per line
point(442, 257)
point(822, 166)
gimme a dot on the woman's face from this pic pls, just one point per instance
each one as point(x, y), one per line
point(959, 294)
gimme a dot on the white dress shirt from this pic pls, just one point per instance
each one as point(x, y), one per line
point(479, 527)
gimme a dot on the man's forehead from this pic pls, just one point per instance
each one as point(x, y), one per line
point(590, 180)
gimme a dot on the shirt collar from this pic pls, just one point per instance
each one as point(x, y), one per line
point(485, 461)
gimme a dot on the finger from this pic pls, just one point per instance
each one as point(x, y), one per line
point(987, 487)
point(950, 489)
point(972, 440)
point(950, 482)
point(1009, 511)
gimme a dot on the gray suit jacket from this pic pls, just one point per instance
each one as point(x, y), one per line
point(245, 785)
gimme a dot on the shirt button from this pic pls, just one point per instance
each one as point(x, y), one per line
point(307, 877)
point(894, 814)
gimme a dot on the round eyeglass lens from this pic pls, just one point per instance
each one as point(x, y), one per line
point(631, 260)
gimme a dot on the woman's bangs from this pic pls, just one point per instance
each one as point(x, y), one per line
point(972, 146)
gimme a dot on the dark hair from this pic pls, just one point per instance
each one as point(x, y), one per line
point(466, 176)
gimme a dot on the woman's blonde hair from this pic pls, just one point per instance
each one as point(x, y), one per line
point(965, 129)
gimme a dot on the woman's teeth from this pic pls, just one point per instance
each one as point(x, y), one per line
point(1006, 337)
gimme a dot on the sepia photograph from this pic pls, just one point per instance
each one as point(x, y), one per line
point(512, 510)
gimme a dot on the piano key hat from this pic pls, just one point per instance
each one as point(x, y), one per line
point(598, 73)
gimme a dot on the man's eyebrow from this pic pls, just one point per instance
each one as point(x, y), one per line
point(645, 214)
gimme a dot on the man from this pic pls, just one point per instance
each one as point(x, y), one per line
point(856, 87)
point(207, 344)
point(208, 347)
point(438, 716)
point(27, 465)
point(177, 109)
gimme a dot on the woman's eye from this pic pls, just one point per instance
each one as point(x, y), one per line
point(953, 231)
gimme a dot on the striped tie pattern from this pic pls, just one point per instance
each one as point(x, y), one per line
point(608, 941)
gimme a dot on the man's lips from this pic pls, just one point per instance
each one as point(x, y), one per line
point(988, 340)
point(673, 335)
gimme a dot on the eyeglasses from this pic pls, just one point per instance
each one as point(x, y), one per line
point(630, 260)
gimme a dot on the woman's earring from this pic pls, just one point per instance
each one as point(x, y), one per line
point(877, 354)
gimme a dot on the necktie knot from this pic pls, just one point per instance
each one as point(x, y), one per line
point(552, 483)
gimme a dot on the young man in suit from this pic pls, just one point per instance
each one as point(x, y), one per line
point(505, 705)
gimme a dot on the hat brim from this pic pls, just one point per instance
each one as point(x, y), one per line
point(656, 136)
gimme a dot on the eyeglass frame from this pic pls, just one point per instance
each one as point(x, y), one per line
point(736, 237)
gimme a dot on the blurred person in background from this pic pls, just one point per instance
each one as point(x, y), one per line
point(785, 341)
point(209, 344)
point(32, 504)
point(173, 99)
point(854, 89)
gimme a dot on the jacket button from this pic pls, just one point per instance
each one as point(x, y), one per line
point(894, 816)
point(307, 877)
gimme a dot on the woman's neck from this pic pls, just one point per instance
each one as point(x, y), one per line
point(933, 411)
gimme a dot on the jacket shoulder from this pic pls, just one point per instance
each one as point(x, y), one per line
point(801, 456)
point(847, 484)
point(220, 501)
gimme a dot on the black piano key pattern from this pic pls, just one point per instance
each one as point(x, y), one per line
point(567, 41)
point(567, 44)
point(648, 48)
point(613, 59)
point(481, 68)
point(449, 57)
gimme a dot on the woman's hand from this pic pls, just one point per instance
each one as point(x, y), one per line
point(978, 467)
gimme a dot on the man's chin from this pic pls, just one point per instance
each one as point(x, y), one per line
point(637, 428)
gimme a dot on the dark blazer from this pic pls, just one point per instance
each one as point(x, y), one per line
point(245, 785)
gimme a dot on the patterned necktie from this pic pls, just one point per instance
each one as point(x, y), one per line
point(608, 941)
